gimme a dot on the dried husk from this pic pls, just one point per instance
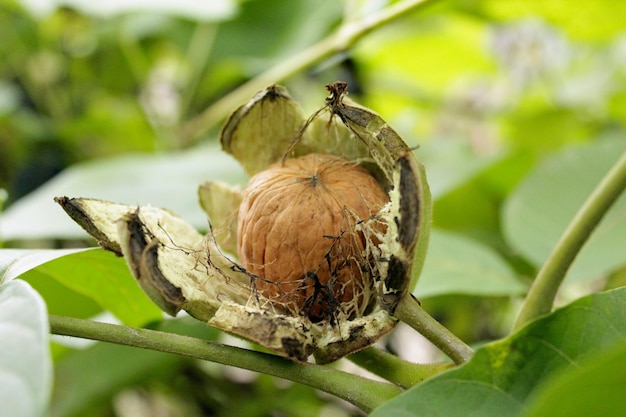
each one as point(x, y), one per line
point(177, 267)
point(182, 270)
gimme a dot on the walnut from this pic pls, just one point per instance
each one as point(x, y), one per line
point(297, 235)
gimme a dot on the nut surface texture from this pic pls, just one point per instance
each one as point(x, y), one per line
point(302, 235)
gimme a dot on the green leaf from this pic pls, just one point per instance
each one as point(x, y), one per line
point(166, 180)
point(538, 211)
point(584, 20)
point(451, 163)
point(25, 361)
point(471, 209)
point(59, 299)
point(104, 278)
point(85, 276)
point(595, 389)
point(458, 265)
point(15, 262)
point(213, 10)
point(501, 376)
point(541, 127)
point(426, 55)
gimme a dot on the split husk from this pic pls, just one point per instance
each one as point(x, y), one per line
point(181, 269)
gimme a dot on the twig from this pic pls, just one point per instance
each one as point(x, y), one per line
point(362, 392)
point(394, 369)
point(541, 296)
point(410, 312)
point(340, 40)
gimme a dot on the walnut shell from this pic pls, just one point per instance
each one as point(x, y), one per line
point(300, 235)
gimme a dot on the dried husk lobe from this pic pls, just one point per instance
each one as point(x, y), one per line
point(411, 208)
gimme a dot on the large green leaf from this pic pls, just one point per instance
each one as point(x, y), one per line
point(167, 180)
point(501, 376)
point(538, 211)
point(458, 265)
point(595, 389)
point(104, 278)
point(59, 299)
point(84, 277)
point(25, 362)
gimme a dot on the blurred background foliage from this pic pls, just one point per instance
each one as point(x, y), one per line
point(518, 108)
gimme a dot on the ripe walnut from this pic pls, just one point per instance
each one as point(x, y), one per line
point(300, 235)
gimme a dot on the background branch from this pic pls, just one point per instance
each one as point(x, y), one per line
point(410, 312)
point(344, 37)
point(541, 296)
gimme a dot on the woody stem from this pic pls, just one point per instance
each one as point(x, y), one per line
point(409, 311)
point(362, 392)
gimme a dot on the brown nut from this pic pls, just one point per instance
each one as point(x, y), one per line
point(299, 235)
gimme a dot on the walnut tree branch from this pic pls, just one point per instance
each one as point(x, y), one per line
point(344, 37)
point(362, 392)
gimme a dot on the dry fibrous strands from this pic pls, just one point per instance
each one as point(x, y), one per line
point(410, 195)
